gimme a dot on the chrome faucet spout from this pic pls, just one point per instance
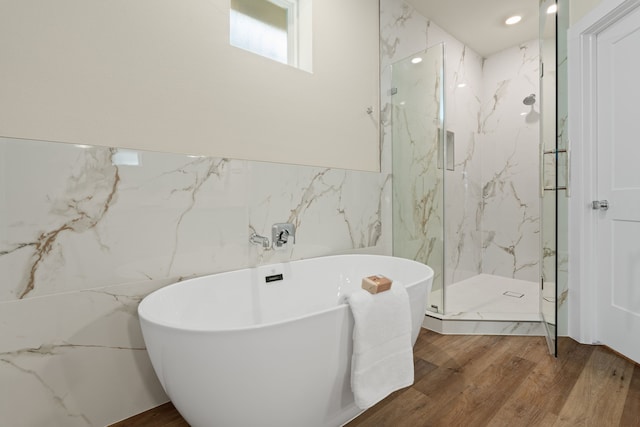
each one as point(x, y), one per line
point(256, 239)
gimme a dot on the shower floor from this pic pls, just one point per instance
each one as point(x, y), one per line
point(489, 297)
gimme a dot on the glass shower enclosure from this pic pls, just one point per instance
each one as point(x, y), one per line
point(478, 213)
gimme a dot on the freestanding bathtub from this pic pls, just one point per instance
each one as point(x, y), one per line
point(267, 346)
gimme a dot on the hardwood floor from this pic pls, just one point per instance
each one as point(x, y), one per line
point(470, 380)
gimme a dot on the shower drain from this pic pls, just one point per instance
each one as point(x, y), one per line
point(513, 294)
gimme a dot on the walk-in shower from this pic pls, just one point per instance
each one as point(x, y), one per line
point(476, 220)
point(468, 180)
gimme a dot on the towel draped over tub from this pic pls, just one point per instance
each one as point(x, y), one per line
point(382, 359)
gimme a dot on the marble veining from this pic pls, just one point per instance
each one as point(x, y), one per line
point(90, 193)
point(213, 168)
point(56, 399)
point(90, 231)
point(510, 206)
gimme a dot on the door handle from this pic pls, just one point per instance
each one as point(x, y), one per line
point(603, 205)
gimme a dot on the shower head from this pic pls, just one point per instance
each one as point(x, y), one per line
point(530, 100)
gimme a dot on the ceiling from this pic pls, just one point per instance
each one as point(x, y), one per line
point(480, 23)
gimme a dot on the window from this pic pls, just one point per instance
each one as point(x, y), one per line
point(272, 28)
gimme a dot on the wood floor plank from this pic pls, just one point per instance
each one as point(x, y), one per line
point(543, 392)
point(521, 402)
point(485, 394)
point(408, 410)
point(163, 416)
point(631, 412)
point(529, 348)
point(445, 350)
point(461, 364)
point(548, 421)
point(452, 388)
point(599, 395)
point(573, 358)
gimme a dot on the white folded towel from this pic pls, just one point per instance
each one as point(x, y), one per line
point(382, 359)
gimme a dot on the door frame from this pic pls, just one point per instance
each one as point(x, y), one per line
point(582, 46)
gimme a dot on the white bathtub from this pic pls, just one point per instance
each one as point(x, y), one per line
point(234, 351)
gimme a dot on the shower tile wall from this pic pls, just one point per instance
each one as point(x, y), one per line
point(509, 137)
point(463, 185)
point(492, 196)
point(86, 233)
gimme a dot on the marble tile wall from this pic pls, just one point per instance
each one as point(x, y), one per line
point(509, 137)
point(491, 198)
point(87, 232)
point(463, 186)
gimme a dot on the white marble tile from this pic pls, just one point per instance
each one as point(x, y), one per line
point(89, 222)
point(403, 31)
point(79, 357)
point(484, 327)
point(510, 190)
point(321, 203)
point(463, 223)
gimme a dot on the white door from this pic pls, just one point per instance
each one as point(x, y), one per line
point(618, 183)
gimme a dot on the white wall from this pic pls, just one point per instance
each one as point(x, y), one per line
point(580, 8)
point(160, 75)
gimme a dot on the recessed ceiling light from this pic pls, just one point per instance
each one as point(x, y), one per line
point(416, 60)
point(513, 20)
point(552, 9)
point(462, 85)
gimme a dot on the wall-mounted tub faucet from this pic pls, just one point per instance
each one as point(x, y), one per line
point(282, 234)
point(256, 239)
point(282, 239)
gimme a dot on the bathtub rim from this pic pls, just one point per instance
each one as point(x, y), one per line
point(209, 330)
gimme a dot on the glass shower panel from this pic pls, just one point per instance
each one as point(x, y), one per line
point(564, 150)
point(418, 159)
point(548, 174)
